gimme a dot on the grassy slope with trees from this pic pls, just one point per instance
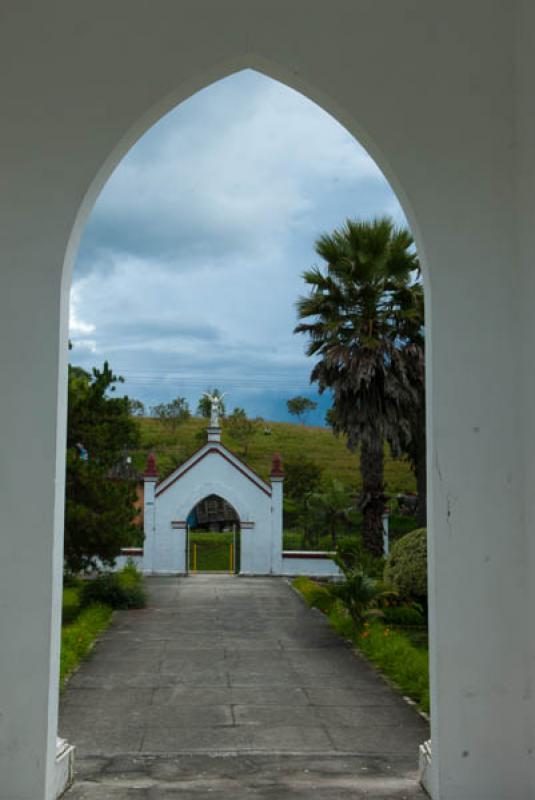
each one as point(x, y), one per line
point(293, 441)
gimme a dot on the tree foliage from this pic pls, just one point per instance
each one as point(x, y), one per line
point(300, 407)
point(361, 313)
point(136, 408)
point(240, 428)
point(172, 414)
point(301, 477)
point(331, 509)
point(99, 511)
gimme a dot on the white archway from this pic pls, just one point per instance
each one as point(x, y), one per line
point(436, 113)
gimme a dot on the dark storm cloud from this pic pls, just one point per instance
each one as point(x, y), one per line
point(132, 331)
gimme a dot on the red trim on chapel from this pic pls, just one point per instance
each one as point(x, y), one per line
point(307, 554)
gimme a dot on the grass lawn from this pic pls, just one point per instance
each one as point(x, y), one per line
point(293, 441)
point(87, 608)
point(77, 637)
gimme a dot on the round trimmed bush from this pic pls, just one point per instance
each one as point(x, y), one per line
point(406, 565)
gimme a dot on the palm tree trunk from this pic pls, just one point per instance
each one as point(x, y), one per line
point(373, 499)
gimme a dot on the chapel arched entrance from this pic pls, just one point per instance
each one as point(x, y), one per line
point(213, 537)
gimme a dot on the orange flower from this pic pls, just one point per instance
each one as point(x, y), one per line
point(364, 634)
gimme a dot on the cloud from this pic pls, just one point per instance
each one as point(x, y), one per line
point(190, 265)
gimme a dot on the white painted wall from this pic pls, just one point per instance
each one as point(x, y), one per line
point(277, 525)
point(447, 110)
point(122, 560)
point(212, 473)
point(149, 522)
point(309, 565)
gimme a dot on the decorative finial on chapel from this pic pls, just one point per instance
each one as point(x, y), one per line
point(151, 470)
point(277, 470)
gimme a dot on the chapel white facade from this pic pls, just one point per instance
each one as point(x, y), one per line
point(213, 470)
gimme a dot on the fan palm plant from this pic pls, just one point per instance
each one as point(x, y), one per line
point(331, 508)
point(361, 313)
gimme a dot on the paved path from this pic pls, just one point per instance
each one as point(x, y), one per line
point(230, 687)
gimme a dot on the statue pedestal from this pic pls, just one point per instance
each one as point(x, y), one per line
point(214, 433)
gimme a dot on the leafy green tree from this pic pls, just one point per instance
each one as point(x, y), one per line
point(172, 414)
point(204, 406)
point(99, 511)
point(361, 311)
point(240, 428)
point(136, 408)
point(300, 407)
point(301, 479)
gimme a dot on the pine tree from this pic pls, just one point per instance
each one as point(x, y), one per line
point(99, 509)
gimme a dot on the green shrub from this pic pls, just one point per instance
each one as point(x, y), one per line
point(358, 593)
point(317, 595)
point(122, 589)
point(71, 604)
point(406, 566)
point(77, 638)
point(404, 616)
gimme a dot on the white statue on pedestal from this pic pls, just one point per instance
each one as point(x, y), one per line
point(215, 400)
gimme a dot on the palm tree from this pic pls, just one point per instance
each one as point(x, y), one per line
point(363, 309)
point(331, 508)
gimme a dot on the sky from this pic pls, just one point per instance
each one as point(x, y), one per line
point(192, 259)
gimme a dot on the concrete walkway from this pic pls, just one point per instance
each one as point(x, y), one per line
point(230, 687)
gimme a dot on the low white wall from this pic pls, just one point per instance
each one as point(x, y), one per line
point(307, 562)
point(315, 564)
point(134, 554)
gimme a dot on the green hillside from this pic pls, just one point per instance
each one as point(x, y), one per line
point(293, 441)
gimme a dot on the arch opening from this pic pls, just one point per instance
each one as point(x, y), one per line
point(207, 548)
point(213, 514)
point(213, 537)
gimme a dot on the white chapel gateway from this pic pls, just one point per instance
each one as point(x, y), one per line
point(213, 470)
